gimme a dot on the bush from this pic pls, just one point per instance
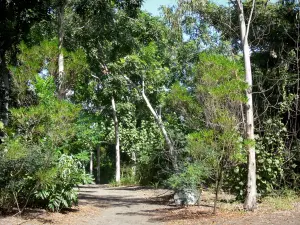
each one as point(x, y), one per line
point(35, 168)
point(37, 179)
point(191, 177)
point(56, 189)
point(18, 164)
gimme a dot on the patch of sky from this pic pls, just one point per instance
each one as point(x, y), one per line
point(152, 6)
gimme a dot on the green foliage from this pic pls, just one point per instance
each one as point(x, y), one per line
point(192, 177)
point(144, 65)
point(19, 162)
point(145, 143)
point(270, 156)
point(45, 89)
point(50, 122)
point(216, 92)
point(41, 61)
point(34, 60)
point(211, 146)
point(1, 126)
point(35, 169)
point(220, 90)
point(184, 104)
point(90, 131)
point(127, 178)
point(270, 162)
point(56, 189)
point(221, 78)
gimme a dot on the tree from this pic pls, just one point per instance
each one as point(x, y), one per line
point(217, 17)
point(212, 100)
point(104, 43)
point(250, 201)
point(150, 73)
point(16, 18)
point(61, 30)
point(117, 139)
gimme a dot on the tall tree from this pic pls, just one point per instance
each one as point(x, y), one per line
point(117, 140)
point(217, 19)
point(250, 201)
point(145, 71)
point(61, 30)
point(16, 18)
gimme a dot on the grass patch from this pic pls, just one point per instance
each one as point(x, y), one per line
point(125, 181)
point(281, 201)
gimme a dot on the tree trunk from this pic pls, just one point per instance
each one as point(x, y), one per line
point(117, 139)
point(4, 89)
point(250, 202)
point(163, 130)
point(133, 157)
point(219, 181)
point(61, 71)
point(91, 163)
point(159, 123)
point(98, 165)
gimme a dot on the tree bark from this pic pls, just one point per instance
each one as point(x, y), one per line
point(98, 165)
point(5, 87)
point(163, 130)
point(219, 181)
point(133, 157)
point(61, 71)
point(159, 123)
point(91, 163)
point(250, 201)
point(117, 140)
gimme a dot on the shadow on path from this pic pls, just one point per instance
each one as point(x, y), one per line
point(141, 202)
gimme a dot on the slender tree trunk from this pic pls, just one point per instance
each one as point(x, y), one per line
point(163, 130)
point(117, 139)
point(159, 123)
point(98, 165)
point(61, 71)
point(218, 187)
point(4, 73)
point(91, 163)
point(133, 157)
point(250, 202)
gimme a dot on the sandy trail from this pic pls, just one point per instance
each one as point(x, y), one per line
point(124, 205)
point(101, 204)
point(104, 205)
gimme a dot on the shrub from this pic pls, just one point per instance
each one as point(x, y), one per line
point(56, 189)
point(191, 177)
point(35, 169)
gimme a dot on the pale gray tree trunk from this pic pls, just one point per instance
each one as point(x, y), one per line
point(98, 165)
point(250, 201)
point(162, 128)
point(117, 140)
point(61, 70)
point(133, 158)
point(159, 123)
point(91, 163)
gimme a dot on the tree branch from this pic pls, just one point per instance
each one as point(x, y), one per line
point(249, 20)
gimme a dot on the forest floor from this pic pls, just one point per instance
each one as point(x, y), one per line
point(101, 204)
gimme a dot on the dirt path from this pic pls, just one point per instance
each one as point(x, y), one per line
point(125, 205)
point(100, 204)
